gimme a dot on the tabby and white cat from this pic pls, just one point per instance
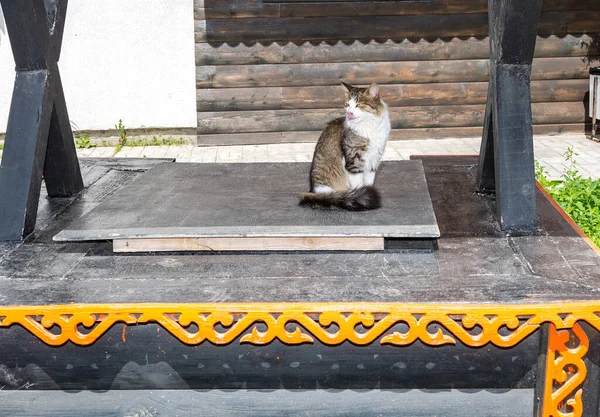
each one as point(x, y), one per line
point(348, 154)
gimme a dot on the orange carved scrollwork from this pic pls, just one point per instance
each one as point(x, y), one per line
point(565, 372)
point(334, 323)
point(297, 323)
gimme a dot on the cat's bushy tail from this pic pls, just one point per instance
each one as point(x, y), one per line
point(360, 199)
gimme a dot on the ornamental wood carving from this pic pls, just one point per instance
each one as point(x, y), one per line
point(334, 323)
point(565, 367)
point(294, 324)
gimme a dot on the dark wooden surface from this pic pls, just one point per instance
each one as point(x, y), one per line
point(243, 403)
point(280, 54)
point(475, 262)
point(231, 200)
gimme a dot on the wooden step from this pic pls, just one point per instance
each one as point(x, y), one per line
point(233, 207)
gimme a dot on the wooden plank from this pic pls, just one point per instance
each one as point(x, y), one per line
point(405, 50)
point(252, 8)
point(270, 403)
point(334, 28)
point(395, 95)
point(211, 244)
point(401, 117)
point(409, 72)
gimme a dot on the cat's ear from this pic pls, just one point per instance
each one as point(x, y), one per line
point(373, 91)
point(348, 87)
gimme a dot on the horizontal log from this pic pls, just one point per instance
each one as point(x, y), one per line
point(288, 98)
point(335, 28)
point(431, 27)
point(356, 51)
point(401, 118)
point(401, 9)
point(408, 72)
point(396, 134)
point(220, 9)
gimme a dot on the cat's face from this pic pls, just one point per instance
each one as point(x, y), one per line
point(362, 103)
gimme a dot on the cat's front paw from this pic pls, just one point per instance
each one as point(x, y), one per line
point(354, 169)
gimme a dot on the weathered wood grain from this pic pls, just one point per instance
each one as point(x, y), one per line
point(400, 9)
point(401, 117)
point(286, 98)
point(268, 55)
point(252, 30)
point(405, 50)
point(213, 9)
point(409, 72)
point(396, 134)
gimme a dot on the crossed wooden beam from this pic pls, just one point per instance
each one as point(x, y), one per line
point(39, 141)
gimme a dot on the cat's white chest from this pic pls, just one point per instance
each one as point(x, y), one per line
point(377, 130)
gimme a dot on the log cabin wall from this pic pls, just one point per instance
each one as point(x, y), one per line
point(269, 71)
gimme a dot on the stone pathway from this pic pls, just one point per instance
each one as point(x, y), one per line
point(549, 152)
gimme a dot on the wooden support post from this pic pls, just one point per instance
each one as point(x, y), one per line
point(39, 141)
point(506, 158)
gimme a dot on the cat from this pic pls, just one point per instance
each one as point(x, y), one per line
point(348, 154)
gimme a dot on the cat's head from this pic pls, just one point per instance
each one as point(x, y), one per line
point(363, 102)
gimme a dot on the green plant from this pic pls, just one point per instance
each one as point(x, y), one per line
point(83, 142)
point(1, 146)
point(122, 136)
point(579, 197)
point(167, 141)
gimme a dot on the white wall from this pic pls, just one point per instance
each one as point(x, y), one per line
point(122, 59)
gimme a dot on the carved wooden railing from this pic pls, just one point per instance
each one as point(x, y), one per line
point(362, 324)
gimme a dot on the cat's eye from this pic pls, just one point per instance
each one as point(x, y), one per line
point(345, 104)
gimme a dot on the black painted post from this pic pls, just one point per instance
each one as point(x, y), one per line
point(506, 159)
point(39, 141)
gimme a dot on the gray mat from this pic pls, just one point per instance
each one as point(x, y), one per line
point(229, 200)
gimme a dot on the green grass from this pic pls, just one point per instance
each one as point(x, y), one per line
point(83, 142)
point(157, 142)
point(1, 146)
point(579, 197)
